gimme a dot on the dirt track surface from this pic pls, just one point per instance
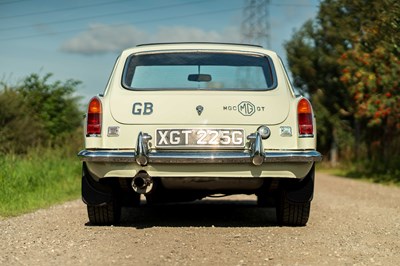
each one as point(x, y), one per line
point(351, 223)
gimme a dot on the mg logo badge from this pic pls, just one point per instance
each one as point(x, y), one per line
point(246, 108)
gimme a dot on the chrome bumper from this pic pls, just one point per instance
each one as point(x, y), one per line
point(142, 156)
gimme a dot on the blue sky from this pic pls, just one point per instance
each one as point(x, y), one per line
point(80, 40)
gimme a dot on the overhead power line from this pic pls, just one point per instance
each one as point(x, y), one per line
point(293, 5)
point(12, 2)
point(61, 9)
point(124, 24)
point(251, 18)
point(97, 5)
point(103, 15)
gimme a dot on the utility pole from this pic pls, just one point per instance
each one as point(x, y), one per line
point(255, 28)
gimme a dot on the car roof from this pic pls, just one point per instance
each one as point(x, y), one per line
point(200, 43)
point(232, 47)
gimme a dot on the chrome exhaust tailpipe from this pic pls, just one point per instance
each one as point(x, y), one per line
point(142, 183)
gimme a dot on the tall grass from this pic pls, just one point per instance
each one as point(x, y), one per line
point(38, 179)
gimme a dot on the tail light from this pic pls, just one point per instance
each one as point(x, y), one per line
point(305, 119)
point(93, 127)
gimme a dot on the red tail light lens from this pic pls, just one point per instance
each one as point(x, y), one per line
point(305, 119)
point(94, 117)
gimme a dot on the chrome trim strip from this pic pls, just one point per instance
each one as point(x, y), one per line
point(211, 157)
point(306, 136)
point(106, 156)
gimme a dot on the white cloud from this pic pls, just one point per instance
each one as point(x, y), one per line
point(185, 34)
point(101, 38)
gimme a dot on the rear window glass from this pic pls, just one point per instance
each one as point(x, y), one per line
point(192, 71)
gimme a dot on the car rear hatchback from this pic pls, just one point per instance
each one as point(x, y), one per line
point(180, 122)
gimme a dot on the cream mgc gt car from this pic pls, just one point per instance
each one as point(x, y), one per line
point(180, 122)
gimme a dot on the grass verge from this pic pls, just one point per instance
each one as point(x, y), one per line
point(352, 170)
point(38, 179)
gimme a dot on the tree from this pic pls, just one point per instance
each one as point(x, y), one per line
point(37, 113)
point(312, 56)
point(54, 105)
point(370, 72)
point(347, 60)
point(18, 130)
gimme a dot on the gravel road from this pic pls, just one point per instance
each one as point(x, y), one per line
point(351, 223)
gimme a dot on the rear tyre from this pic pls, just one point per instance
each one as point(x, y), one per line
point(291, 213)
point(294, 201)
point(106, 214)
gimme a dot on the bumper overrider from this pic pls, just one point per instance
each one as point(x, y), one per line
point(143, 156)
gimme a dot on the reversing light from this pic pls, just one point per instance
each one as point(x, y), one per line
point(305, 119)
point(93, 127)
